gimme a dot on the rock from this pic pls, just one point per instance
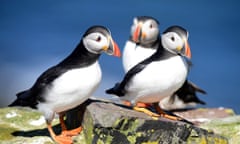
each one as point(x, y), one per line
point(202, 115)
point(109, 123)
point(220, 120)
point(20, 125)
point(228, 127)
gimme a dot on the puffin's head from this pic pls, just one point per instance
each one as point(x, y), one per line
point(175, 39)
point(98, 39)
point(144, 30)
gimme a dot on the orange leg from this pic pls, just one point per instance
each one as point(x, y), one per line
point(163, 114)
point(59, 139)
point(66, 132)
point(141, 107)
point(139, 104)
point(146, 111)
point(66, 136)
point(127, 103)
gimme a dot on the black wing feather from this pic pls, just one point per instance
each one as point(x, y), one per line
point(119, 88)
point(187, 93)
point(32, 96)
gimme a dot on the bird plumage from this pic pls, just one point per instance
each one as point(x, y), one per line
point(150, 80)
point(137, 49)
point(72, 81)
point(141, 44)
point(79, 58)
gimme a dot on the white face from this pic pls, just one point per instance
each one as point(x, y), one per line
point(149, 29)
point(172, 41)
point(95, 42)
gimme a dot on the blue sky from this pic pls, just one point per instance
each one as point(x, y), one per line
point(35, 35)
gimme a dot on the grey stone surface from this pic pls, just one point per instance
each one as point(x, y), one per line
point(109, 123)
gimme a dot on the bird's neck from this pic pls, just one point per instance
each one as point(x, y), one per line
point(80, 57)
point(153, 44)
point(150, 45)
point(162, 53)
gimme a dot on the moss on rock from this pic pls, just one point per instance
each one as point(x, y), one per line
point(125, 126)
point(111, 124)
point(23, 125)
point(228, 127)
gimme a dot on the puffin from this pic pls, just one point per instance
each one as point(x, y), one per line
point(143, 42)
point(71, 82)
point(158, 76)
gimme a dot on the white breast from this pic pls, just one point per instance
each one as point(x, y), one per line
point(71, 89)
point(157, 80)
point(133, 54)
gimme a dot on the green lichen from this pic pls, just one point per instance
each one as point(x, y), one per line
point(33, 140)
point(6, 132)
point(217, 140)
point(18, 119)
point(128, 127)
point(88, 128)
point(227, 127)
point(127, 130)
point(230, 111)
point(150, 143)
point(205, 137)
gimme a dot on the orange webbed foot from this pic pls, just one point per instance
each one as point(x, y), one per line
point(61, 139)
point(72, 132)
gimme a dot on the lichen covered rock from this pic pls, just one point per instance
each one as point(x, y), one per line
point(228, 127)
point(23, 125)
point(108, 123)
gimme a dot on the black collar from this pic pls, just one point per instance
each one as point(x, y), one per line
point(80, 57)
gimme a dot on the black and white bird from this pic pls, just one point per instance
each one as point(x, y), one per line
point(72, 81)
point(160, 75)
point(143, 42)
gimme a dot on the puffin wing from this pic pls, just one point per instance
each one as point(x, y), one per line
point(31, 96)
point(119, 88)
point(187, 93)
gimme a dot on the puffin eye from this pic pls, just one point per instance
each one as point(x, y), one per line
point(98, 39)
point(172, 38)
point(151, 26)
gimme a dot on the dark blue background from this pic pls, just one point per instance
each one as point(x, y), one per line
point(36, 34)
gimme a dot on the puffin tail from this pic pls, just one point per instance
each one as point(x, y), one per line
point(201, 102)
point(25, 99)
point(198, 89)
point(116, 90)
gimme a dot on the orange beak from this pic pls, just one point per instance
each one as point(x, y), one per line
point(116, 50)
point(112, 49)
point(187, 50)
point(137, 33)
